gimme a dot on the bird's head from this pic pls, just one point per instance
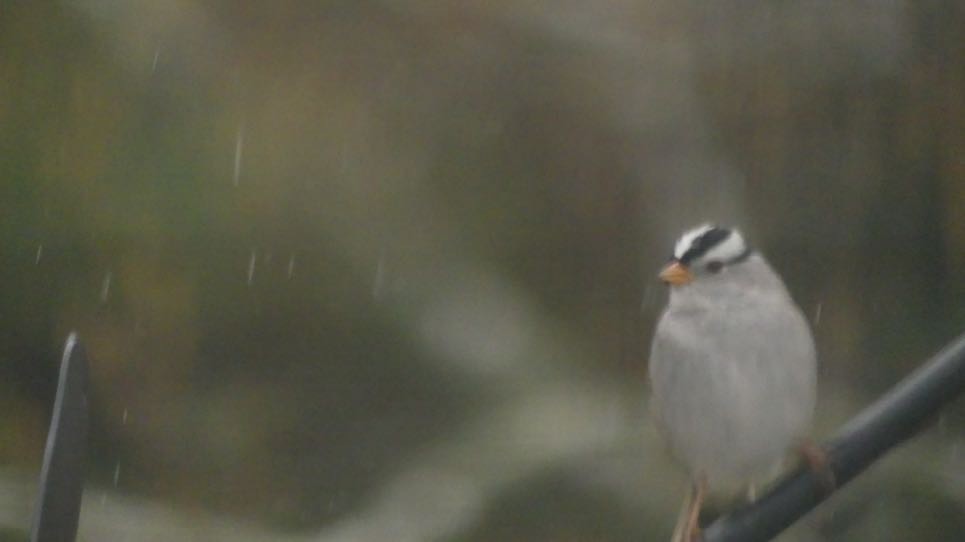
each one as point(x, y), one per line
point(705, 251)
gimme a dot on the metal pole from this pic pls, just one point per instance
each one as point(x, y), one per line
point(62, 474)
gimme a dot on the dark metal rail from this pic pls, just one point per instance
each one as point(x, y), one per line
point(62, 474)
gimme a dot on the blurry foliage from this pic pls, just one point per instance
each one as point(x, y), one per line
point(380, 147)
point(553, 507)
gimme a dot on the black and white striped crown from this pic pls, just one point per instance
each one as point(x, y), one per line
point(709, 242)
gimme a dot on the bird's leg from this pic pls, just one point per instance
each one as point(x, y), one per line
point(819, 463)
point(692, 527)
point(687, 529)
point(678, 530)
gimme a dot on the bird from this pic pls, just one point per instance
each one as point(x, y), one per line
point(732, 368)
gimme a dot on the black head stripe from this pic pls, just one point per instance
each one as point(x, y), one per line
point(705, 242)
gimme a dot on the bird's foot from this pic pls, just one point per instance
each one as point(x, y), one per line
point(819, 463)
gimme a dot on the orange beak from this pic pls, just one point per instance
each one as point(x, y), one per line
point(676, 274)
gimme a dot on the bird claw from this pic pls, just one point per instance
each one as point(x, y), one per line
point(819, 464)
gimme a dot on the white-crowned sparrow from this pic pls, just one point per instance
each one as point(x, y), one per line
point(732, 365)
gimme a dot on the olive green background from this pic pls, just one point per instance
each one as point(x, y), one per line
point(384, 270)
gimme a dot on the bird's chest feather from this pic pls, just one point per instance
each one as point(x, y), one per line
point(729, 364)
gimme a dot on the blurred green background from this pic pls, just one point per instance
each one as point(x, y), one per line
point(384, 270)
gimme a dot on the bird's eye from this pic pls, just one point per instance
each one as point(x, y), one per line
point(714, 266)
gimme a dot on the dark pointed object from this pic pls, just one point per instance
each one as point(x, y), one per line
point(893, 418)
point(62, 474)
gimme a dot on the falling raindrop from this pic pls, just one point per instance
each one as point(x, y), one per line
point(378, 285)
point(106, 287)
point(251, 267)
point(40, 252)
point(291, 265)
point(239, 149)
point(157, 54)
point(117, 473)
point(817, 314)
point(124, 418)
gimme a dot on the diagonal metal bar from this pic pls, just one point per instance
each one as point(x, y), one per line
point(893, 418)
point(62, 475)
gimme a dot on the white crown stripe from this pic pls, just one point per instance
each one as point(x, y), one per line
point(687, 239)
point(730, 248)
